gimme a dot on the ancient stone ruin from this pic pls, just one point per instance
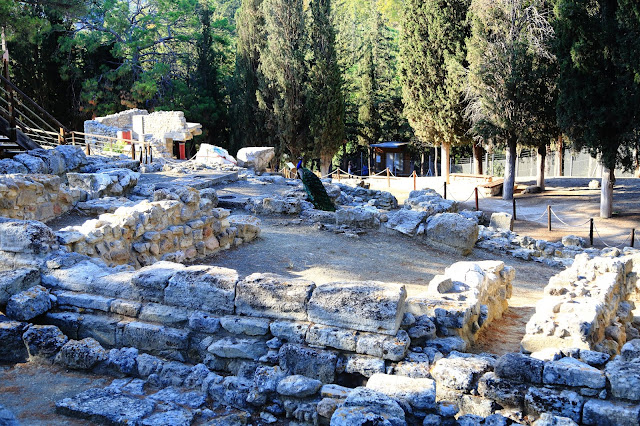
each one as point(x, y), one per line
point(122, 294)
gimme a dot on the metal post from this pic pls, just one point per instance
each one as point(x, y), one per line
point(549, 218)
point(477, 209)
point(513, 208)
point(591, 231)
point(445, 190)
point(633, 236)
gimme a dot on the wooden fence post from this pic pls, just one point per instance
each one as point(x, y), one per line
point(549, 218)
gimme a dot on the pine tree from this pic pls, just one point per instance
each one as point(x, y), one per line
point(281, 93)
point(599, 100)
point(433, 56)
point(509, 87)
point(325, 97)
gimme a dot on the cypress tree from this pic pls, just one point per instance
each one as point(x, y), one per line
point(281, 94)
point(433, 60)
point(325, 96)
point(599, 100)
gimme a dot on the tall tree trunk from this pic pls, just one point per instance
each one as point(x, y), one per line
point(446, 150)
point(606, 192)
point(478, 152)
point(509, 171)
point(422, 169)
point(541, 157)
point(435, 162)
point(325, 162)
point(560, 156)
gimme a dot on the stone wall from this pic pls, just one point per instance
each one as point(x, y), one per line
point(121, 120)
point(34, 197)
point(177, 226)
point(588, 306)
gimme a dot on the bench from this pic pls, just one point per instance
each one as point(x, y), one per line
point(478, 179)
point(492, 188)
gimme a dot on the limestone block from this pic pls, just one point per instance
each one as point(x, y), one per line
point(73, 156)
point(630, 351)
point(153, 337)
point(26, 236)
point(44, 341)
point(12, 349)
point(561, 403)
point(428, 200)
point(393, 348)
point(76, 277)
point(245, 325)
point(103, 328)
point(209, 288)
point(256, 158)
point(204, 322)
point(418, 393)
point(597, 412)
point(231, 347)
point(364, 365)
point(153, 279)
point(334, 337)
point(84, 300)
point(405, 221)
point(318, 216)
point(573, 241)
point(547, 419)
point(68, 322)
point(81, 354)
point(624, 378)
point(273, 296)
point(357, 217)
point(298, 386)
point(366, 406)
point(54, 160)
point(460, 373)
point(33, 164)
point(452, 232)
point(163, 314)
point(571, 372)
point(313, 363)
point(29, 304)
point(13, 282)
point(105, 406)
point(8, 166)
point(519, 368)
point(289, 331)
point(501, 221)
point(505, 392)
point(125, 307)
point(364, 306)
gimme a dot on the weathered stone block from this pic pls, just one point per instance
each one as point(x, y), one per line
point(84, 300)
point(452, 232)
point(610, 413)
point(104, 406)
point(298, 386)
point(273, 296)
point(571, 372)
point(81, 354)
point(624, 378)
point(460, 373)
point(29, 304)
point(507, 393)
point(202, 322)
point(209, 288)
point(245, 325)
point(44, 341)
point(163, 314)
point(501, 221)
point(564, 403)
point(368, 407)
point(393, 348)
point(519, 368)
point(26, 236)
point(231, 347)
point(153, 279)
point(334, 337)
point(313, 363)
point(152, 337)
point(418, 393)
point(290, 332)
point(364, 365)
point(12, 349)
point(13, 282)
point(365, 306)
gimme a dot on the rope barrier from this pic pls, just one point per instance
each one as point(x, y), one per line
point(458, 201)
point(605, 243)
point(565, 223)
point(544, 213)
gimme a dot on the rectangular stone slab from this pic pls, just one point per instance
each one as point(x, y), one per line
point(273, 296)
point(364, 306)
point(207, 288)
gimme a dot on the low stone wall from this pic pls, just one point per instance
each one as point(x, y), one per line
point(57, 161)
point(176, 226)
point(588, 306)
point(35, 197)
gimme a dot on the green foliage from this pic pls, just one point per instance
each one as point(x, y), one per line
point(325, 100)
point(283, 68)
point(433, 56)
point(598, 50)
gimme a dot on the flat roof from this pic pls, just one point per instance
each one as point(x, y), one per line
point(390, 144)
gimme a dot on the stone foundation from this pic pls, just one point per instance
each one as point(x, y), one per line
point(177, 226)
point(588, 306)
